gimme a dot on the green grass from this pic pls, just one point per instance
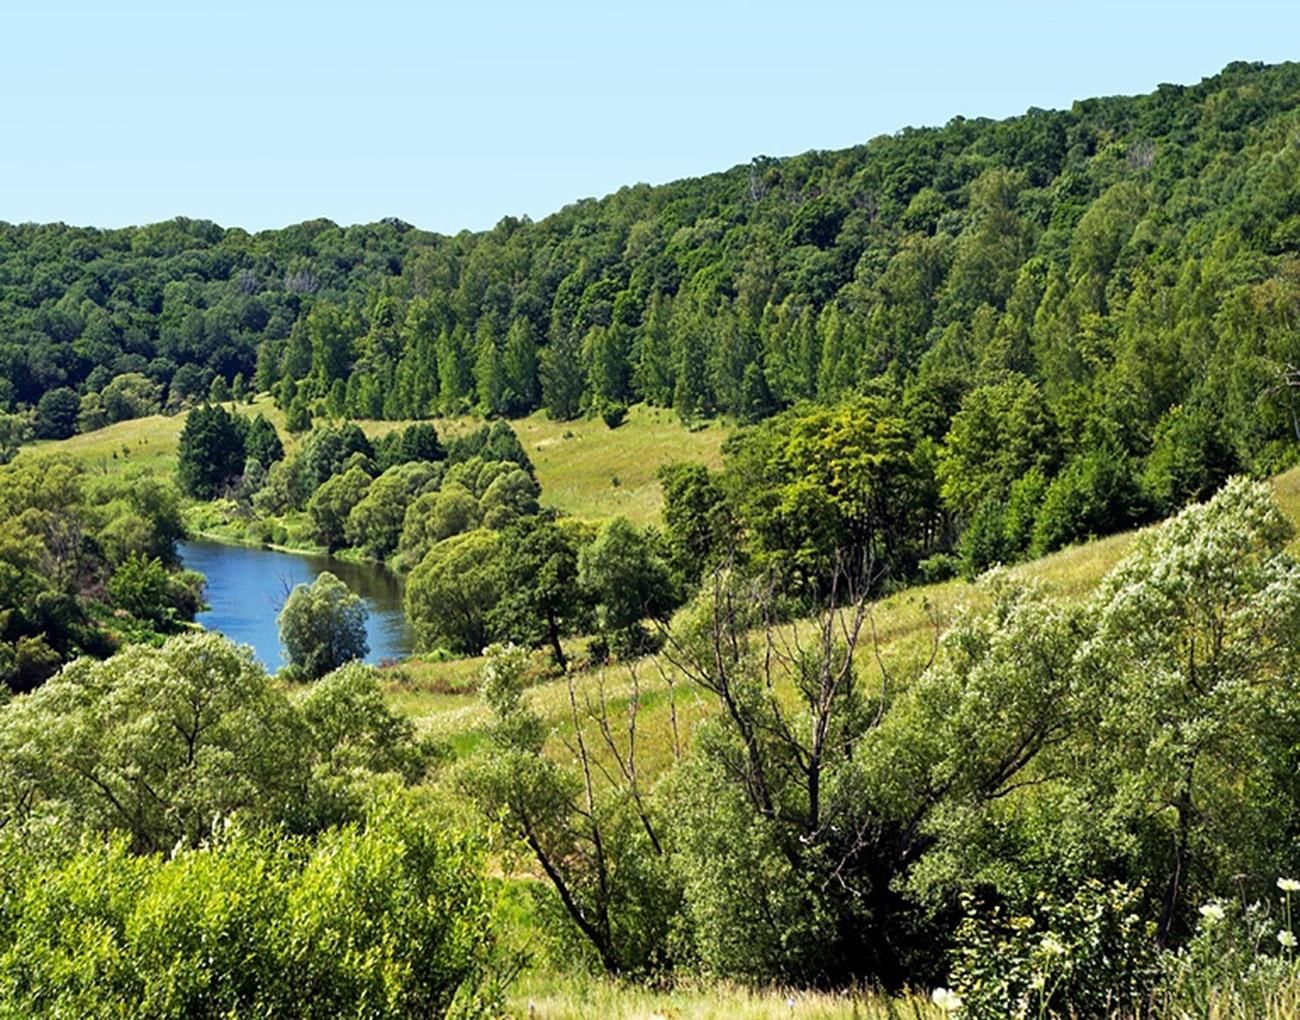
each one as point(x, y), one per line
point(591, 471)
point(578, 997)
point(149, 442)
point(585, 468)
point(906, 626)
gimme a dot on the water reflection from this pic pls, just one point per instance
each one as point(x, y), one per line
point(247, 588)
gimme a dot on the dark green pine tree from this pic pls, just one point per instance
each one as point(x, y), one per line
point(211, 451)
point(454, 378)
point(604, 351)
point(489, 376)
point(691, 394)
point(519, 362)
point(563, 382)
point(654, 377)
point(336, 402)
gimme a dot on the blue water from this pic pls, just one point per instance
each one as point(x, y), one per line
point(247, 588)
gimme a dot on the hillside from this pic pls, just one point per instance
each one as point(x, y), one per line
point(440, 696)
point(585, 468)
point(1122, 253)
point(693, 490)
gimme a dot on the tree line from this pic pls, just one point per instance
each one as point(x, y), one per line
point(1133, 257)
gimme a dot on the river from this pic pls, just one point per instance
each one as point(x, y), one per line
point(248, 585)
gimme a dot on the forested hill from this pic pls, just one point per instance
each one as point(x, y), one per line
point(1126, 256)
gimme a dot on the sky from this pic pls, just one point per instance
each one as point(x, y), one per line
point(452, 115)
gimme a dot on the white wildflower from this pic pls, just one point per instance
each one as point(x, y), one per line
point(948, 1001)
point(1052, 946)
point(1212, 912)
point(1286, 938)
point(1288, 885)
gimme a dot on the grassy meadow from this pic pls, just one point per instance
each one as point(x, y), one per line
point(585, 468)
point(584, 998)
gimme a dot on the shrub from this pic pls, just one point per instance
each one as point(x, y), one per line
point(613, 414)
point(387, 921)
point(1234, 965)
point(142, 587)
point(1087, 956)
point(983, 543)
point(1095, 494)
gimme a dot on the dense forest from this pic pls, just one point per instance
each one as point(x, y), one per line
point(1128, 256)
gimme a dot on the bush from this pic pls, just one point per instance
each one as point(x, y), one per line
point(1088, 956)
point(56, 413)
point(613, 414)
point(387, 921)
point(1233, 965)
point(937, 568)
point(983, 543)
point(142, 587)
point(1095, 494)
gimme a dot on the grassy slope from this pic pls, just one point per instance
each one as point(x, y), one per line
point(575, 463)
point(591, 471)
point(905, 627)
point(585, 469)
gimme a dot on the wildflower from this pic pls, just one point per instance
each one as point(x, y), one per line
point(1286, 938)
point(1052, 946)
point(1212, 912)
point(948, 1001)
point(1288, 885)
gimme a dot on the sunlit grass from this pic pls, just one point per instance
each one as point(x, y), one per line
point(585, 468)
point(589, 470)
point(900, 637)
point(578, 997)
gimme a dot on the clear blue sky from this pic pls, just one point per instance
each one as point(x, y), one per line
point(451, 115)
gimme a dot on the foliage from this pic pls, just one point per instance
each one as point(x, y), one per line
point(627, 580)
point(64, 536)
point(600, 849)
point(390, 920)
point(131, 395)
point(1094, 494)
point(159, 744)
point(698, 531)
point(15, 430)
point(1089, 956)
point(788, 871)
point(331, 504)
point(56, 413)
point(322, 626)
point(542, 599)
point(374, 523)
point(1000, 432)
point(452, 590)
point(155, 743)
point(141, 587)
point(211, 451)
point(262, 442)
point(326, 451)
